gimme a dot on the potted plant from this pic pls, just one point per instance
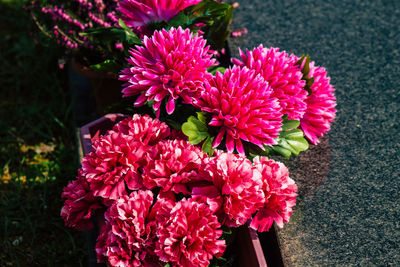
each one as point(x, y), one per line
point(172, 183)
point(96, 34)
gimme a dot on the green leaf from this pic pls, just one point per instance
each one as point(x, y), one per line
point(227, 231)
point(107, 66)
point(105, 33)
point(300, 144)
point(207, 146)
point(291, 140)
point(195, 129)
point(202, 117)
point(181, 19)
point(214, 69)
point(150, 103)
point(292, 134)
point(219, 32)
point(306, 71)
point(112, 35)
point(123, 26)
point(201, 126)
point(290, 124)
point(216, 17)
point(130, 37)
point(282, 151)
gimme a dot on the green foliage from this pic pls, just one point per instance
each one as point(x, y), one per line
point(207, 146)
point(306, 71)
point(110, 35)
point(195, 129)
point(105, 38)
point(291, 140)
point(213, 69)
point(216, 16)
point(108, 65)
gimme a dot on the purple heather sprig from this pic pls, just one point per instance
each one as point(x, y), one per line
point(78, 16)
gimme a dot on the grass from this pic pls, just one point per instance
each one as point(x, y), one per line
point(37, 143)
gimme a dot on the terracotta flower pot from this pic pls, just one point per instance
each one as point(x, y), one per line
point(247, 247)
point(106, 86)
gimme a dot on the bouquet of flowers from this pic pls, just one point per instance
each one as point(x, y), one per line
point(171, 183)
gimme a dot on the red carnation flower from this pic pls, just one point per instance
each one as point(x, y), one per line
point(143, 128)
point(238, 183)
point(190, 236)
point(79, 204)
point(128, 238)
point(171, 63)
point(242, 107)
point(280, 194)
point(283, 75)
point(321, 105)
point(114, 165)
point(171, 164)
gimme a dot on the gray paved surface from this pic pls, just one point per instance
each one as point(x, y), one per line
point(349, 202)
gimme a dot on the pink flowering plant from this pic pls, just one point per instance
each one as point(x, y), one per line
point(67, 21)
point(168, 186)
point(98, 32)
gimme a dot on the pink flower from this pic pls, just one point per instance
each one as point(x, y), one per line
point(238, 183)
point(119, 46)
point(190, 236)
point(144, 129)
point(171, 63)
point(113, 165)
point(139, 13)
point(128, 238)
point(280, 194)
point(283, 75)
point(79, 204)
point(242, 107)
point(321, 105)
point(171, 165)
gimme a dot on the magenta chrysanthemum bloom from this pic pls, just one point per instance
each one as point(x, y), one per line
point(128, 238)
point(114, 165)
point(239, 184)
point(144, 129)
point(283, 75)
point(171, 63)
point(242, 107)
point(321, 105)
point(280, 194)
point(171, 164)
point(139, 13)
point(190, 237)
point(79, 204)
